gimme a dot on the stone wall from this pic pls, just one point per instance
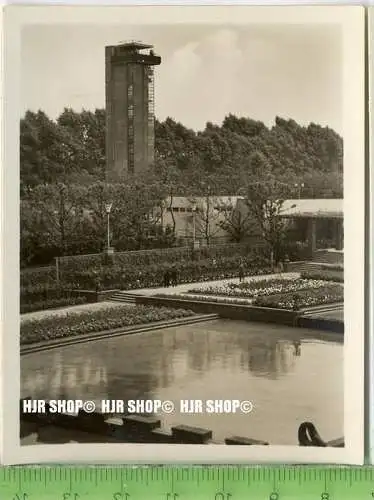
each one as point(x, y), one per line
point(229, 311)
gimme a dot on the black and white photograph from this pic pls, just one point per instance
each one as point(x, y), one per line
point(189, 191)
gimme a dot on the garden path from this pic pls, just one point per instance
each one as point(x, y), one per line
point(185, 287)
point(62, 311)
point(145, 291)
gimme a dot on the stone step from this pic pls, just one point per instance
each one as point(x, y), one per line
point(311, 266)
point(123, 297)
point(322, 309)
point(326, 257)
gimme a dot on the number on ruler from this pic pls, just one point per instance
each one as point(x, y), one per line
point(172, 496)
point(21, 496)
point(121, 496)
point(223, 496)
point(70, 496)
point(273, 496)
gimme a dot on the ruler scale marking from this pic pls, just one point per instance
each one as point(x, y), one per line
point(179, 483)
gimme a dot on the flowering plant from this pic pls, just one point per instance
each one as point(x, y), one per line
point(257, 288)
point(69, 325)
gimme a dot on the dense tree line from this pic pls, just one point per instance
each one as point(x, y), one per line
point(72, 150)
point(63, 190)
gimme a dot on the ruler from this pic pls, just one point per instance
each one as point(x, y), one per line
point(186, 483)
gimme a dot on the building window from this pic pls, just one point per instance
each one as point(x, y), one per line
point(130, 111)
point(130, 91)
point(175, 209)
point(182, 209)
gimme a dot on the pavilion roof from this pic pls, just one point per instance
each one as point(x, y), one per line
point(322, 208)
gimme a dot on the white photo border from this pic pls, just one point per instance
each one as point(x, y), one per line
point(352, 21)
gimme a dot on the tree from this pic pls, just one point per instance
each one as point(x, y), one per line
point(206, 215)
point(46, 151)
point(264, 201)
point(55, 213)
point(237, 223)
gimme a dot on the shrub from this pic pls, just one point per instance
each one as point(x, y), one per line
point(73, 324)
point(303, 298)
point(34, 276)
point(143, 258)
point(332, 267)
point(336, 276)
point(71, 266)
point(52, 303)
point(152, 276)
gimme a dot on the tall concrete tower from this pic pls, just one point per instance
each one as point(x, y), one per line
point(129, 89)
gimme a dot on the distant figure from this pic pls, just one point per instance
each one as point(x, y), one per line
point(167, 279)
point(297, 346)
point(174, 277)
point(241, 271)
point(296, 302)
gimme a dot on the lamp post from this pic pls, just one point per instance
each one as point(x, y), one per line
point(299, 187)
point(108, 208)
point(194, 225)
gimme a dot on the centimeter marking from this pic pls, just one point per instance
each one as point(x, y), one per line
point(186, 483)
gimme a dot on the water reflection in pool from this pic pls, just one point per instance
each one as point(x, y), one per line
point(290, 375)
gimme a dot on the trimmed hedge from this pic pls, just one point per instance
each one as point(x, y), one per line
point(111, 277)
point(143, 258)
point(336, 276)
point(305, 298)
point(73, 324)
point(33, 276)
point(332, 267)
point(52, 304)
point(47, 296)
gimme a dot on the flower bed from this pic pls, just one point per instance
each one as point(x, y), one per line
point(337, 276)
point(71, 325)
point(255, 288)
point(51, 304)
point(304, 298)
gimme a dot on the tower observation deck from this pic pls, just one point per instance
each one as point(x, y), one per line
point(129, 93)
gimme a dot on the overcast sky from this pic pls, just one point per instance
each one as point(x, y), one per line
point(206, 71)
